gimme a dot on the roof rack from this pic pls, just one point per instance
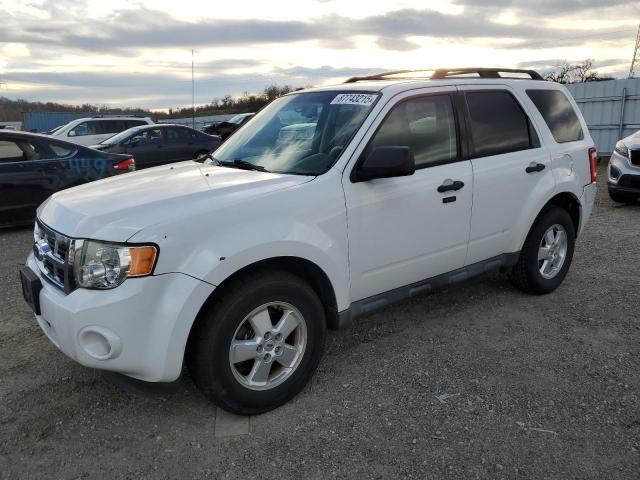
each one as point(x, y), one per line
point(442, 73)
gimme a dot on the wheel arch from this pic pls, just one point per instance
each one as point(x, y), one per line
point(565, 200)
point(301, 267)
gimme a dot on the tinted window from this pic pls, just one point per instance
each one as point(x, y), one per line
point(426, 125)
point(110, 126)
point(134, 123)
point(558, 113)
point(178, 135)
point(498, 123)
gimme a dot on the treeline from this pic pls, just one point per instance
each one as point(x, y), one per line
point(12, 110)
point(247, 102)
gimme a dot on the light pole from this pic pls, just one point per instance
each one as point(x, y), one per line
point(193, 95)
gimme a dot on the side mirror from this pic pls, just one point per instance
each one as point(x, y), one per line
point(134, 142)
point(72, 133)
point(386, 162)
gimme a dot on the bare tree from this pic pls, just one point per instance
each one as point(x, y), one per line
point(575, 73)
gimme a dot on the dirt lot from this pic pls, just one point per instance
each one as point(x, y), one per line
point(479, 381)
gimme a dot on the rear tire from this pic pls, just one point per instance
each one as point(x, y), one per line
point(622, 197)
point(236, 319)
point(531, 274)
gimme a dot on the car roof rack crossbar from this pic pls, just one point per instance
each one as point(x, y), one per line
point(442, 73)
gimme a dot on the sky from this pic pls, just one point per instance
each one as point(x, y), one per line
point(138, 53)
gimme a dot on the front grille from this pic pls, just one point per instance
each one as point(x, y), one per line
point(629, 181)
point(52, 251)
point(634, 156)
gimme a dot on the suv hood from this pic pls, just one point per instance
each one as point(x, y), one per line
point(115, 208)
point(633, 140)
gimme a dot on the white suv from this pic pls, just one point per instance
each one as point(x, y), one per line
point(236, 266)
point(93, 130)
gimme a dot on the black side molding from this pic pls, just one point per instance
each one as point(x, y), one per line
point(376, 302)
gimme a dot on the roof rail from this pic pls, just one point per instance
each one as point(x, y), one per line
point(442, 73)
point(484, 73)
point(116, 115)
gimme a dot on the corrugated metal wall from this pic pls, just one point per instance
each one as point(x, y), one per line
point(46, 121)
point(611, 109)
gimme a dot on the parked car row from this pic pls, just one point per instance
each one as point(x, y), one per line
point(34, 166)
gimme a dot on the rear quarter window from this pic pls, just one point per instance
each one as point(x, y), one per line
point(558, 113)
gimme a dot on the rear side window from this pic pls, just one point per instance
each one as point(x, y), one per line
point(558, 113)
point(134, 123)
point(111, 126)
point(498, 123)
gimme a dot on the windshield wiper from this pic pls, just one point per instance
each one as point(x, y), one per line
point(239, 163)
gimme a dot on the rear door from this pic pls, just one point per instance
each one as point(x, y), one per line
point(511, 169)
point(179, 144)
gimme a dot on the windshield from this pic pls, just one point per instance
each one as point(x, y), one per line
point(118, 137)
point(303, 133)
point(237, 118)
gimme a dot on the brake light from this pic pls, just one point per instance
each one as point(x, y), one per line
point(126, 164)
point(593, 164)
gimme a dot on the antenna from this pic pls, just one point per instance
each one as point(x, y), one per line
point(635, 61)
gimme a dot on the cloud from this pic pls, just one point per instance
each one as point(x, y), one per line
point(130, 29)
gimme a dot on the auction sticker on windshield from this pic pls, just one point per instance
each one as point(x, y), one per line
point(354, 99)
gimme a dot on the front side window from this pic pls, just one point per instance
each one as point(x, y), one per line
point(302, 133)
point(11, 152)
point(558, 113)
point(83, 129)
point(152, 135)
point(20, 150)
point(426, 125)
point(498, 123)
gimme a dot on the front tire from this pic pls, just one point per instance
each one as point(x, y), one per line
point(259, 343)
point(547, 253)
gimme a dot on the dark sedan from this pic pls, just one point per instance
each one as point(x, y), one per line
point(153, 145)
point(226, 128)
point(32, 167)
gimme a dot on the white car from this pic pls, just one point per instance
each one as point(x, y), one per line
point(93, 130)
point(623, 171)
point(237, 266)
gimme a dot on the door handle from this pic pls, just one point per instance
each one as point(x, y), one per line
point(450, 185)
point(535, 167)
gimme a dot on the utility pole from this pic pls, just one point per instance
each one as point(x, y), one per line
point(635, 61)
point(193, 94)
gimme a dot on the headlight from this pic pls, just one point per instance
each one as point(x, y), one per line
point(622, 149)
point(105, 265)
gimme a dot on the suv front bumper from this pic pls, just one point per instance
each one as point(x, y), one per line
point(622, 176)
point(139, 328)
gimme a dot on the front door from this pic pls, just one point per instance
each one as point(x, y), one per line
point(406, 229)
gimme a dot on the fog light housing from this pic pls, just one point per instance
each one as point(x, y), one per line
point(614, 172)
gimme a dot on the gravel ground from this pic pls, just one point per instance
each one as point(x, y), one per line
point(478, 381)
